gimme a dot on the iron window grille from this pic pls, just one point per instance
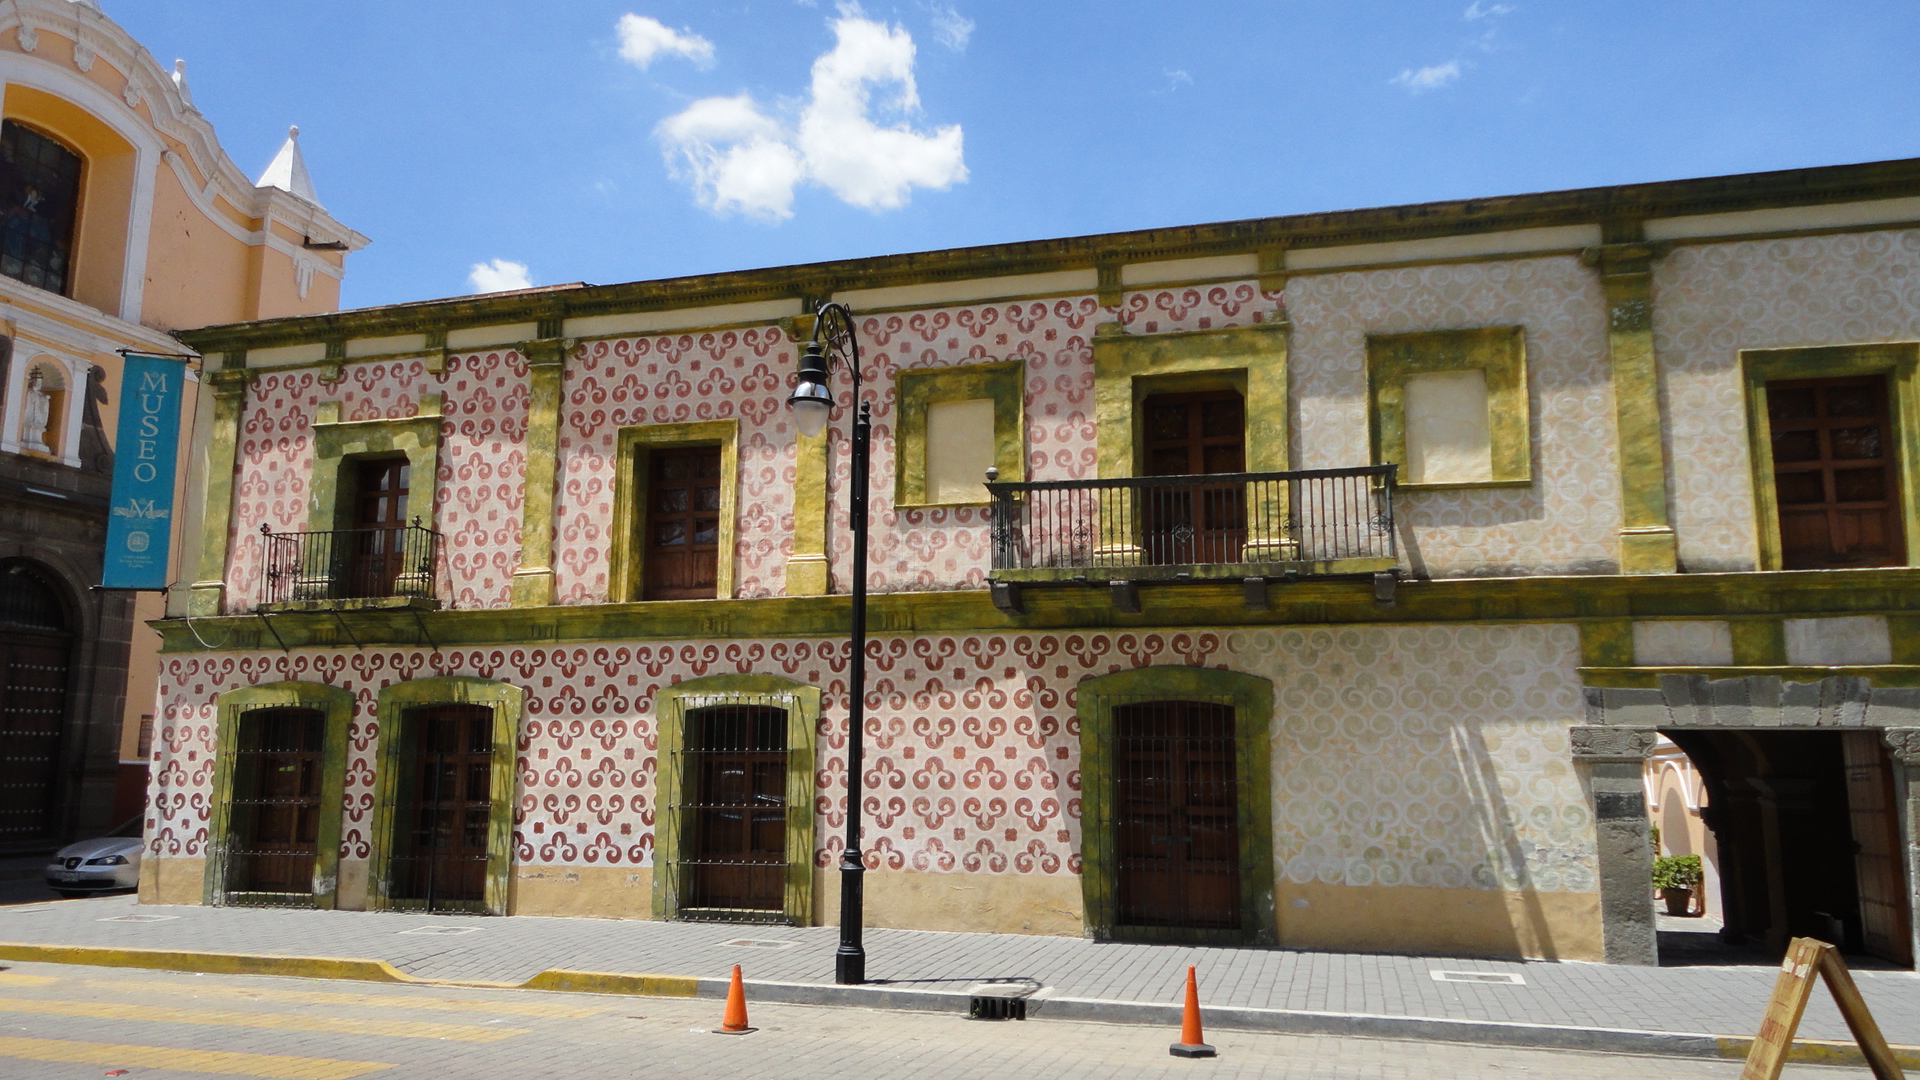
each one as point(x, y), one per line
point(274, 820)
point(731, 861)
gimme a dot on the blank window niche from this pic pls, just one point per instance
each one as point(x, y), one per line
point(1450, 407)
point(955, 423)
point(959, 450)
point(1448, 438)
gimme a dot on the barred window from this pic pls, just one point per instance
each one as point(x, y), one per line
point(39, 203)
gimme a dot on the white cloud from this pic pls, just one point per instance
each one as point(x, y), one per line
point(1428, 78)
point(1478, 10)
point(500, 275)
point(953, 29)
point(739, 158)
point(643, 38)
point(1176, 78)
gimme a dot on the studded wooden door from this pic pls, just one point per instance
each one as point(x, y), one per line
point(1177, 816)
point(275, 814)
point(34, 650)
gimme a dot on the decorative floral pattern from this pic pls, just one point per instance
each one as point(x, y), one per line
point(1567, 521)
point(1419, 756)
point(1713, 300)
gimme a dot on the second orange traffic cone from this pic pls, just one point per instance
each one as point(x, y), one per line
point(1191, 1044)
point(734, 1021)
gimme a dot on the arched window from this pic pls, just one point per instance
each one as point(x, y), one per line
point(39, 202)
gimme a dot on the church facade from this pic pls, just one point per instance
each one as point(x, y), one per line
point(121, 220)
point(1336, 576)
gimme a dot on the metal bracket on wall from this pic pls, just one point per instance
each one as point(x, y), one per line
point(1253, 593)
point(271, 630)
point(1386, 588)
point(1126, 596)
point(1006, 597)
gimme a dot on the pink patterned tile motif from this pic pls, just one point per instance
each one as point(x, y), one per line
point(674, 379)
point(1432, 756)
point(1198, 307)
point(273, 469)
point(482, 475)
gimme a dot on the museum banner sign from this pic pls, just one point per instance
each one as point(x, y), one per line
point(140, 523)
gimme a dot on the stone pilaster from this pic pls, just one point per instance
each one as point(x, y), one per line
point(1614, 760)
point(1904, 746)
point(208, 594)
point(1646, 531)
point(546, 366)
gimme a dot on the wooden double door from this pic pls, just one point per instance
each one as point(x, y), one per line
point(445, 809)
point(35, 647)
point(1177, 817)
point(735, 848)
point(275, 812)
point(1835, 473)
point(1192, 435)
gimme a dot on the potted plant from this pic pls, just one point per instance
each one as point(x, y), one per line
point(1674, 877)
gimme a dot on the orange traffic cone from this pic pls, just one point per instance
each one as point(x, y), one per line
point(1190, 1045)
point(734, 1022)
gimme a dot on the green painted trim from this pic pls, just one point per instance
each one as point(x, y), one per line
point(1796, 594)
point(1647, 541)
point(626, 570)
point(1900, 362)
point(396, 700)
point(1648, 678)
point(802, 704)
point(208, 594)
point(1759, 642)
point(1126, 367)
point(807, 566)
point(1004, 382)
point(1252, 701)
point(1499, 352)
point(1785, 188)
point(337, 444)
point(546, 365)
point(1607, 643)
point(1904, 632)
point(337, 706)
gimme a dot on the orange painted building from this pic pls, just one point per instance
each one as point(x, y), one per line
point(121, 220)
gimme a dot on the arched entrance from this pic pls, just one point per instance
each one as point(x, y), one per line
point(36, 646)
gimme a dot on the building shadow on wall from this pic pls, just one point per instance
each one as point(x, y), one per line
point(1509, 870)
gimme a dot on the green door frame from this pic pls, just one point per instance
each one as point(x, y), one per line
point(1252, 700)
point(507, 702)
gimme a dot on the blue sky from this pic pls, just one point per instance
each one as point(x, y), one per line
point(768, 132)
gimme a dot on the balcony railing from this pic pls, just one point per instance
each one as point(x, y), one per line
point(1221, 525)
point(350, 564)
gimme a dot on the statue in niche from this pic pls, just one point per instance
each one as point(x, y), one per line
point(96, 453)
point(35, 412)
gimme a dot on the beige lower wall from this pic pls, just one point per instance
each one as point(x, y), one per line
point(1442, 922)
point(593, 892)
point(996, 903)
point(352, 893)
point(172, 881)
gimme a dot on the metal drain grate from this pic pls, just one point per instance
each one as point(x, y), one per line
point(442, 930)
point(1494, 978)
point(139, 918)
point(996, 1007)
point(758, 943)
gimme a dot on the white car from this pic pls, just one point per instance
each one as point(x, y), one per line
point(95, 866)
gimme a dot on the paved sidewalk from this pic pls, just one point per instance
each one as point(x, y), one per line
point(1552, 1004)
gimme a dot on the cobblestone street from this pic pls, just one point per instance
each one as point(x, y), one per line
point(72, 1022)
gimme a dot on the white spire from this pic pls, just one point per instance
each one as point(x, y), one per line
point(180, 81)
point(288, 172)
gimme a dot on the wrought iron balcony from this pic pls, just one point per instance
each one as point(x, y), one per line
point(1277, 525)
point(346, 565)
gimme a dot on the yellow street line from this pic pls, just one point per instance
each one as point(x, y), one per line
point(15, 978)
point(271, 1066)
point(404, 1029)
point(379, 1001)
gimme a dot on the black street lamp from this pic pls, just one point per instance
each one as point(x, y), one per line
point(812, 402)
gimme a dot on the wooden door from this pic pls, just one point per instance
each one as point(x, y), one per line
point(683, 524)
point(34, 650)
point(33, 709)
point(1835, 473)
point(1879, 859)
point(1190, 435)
point(446, 809)
point(275, 812)
point(1177, 827)
point(379, 520)
point(737, 850)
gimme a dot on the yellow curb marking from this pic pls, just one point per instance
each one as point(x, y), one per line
point(160, 1014)
point(1819, 1052)
point(378, 1001)
point(271, 1066)
point(15, 978)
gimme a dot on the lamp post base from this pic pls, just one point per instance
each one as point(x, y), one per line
point(850, 969)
